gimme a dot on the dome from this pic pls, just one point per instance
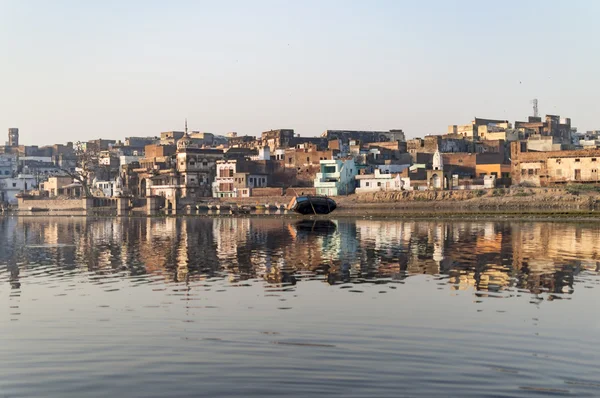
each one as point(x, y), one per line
point(186, 142)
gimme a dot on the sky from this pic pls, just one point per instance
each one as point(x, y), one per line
point(76, 70)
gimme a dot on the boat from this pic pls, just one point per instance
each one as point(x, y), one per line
point(312, 204)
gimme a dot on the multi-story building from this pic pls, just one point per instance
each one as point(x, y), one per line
point(189, 175)
point(553, 167)
point(236, 178)
point(471, 131)
point(336, 177)
point(196, 168)
point(552, 126)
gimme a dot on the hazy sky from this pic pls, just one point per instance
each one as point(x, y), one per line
point(74, 70)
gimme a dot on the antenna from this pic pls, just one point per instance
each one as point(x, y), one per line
point(186, 125)
point(535, 107)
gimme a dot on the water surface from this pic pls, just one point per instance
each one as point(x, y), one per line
point(259, 307)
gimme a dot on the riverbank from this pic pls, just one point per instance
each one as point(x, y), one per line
point(580, 202)
point(581, 198)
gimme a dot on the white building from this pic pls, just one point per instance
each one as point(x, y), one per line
point(379, 182)
point(224, 180)
point(337, 177)
point(108, 189)
point(10, 187)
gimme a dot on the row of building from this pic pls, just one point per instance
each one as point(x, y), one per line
point(192, 166)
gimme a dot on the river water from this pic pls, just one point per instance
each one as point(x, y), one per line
point(269, 307)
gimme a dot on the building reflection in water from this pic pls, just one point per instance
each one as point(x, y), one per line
point(488, 257)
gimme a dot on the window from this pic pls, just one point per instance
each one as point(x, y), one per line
point(6, 172)
point(367, 183)
point(14, 184)
point(379, 184)
point(594, 170)
point(230, 172)
point(577, 160)
point(530, 172)
point(290, 160)
point(308, 159)
point(192, 163)
point(593, 159)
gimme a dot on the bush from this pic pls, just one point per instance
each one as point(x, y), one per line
point(499, 192)
point(522, 194)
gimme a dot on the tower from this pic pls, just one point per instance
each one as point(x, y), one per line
point(535, 107)
point(13, 137)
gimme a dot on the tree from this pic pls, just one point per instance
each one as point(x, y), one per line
point(87, 163)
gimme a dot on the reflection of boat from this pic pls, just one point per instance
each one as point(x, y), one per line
point(310, 204)
point(314, 227)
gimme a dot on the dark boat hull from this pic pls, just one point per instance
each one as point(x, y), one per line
point(312, 205)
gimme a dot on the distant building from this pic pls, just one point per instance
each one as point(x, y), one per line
point(171, 137)
point(276, 139)
point(363, 136)
point(13, 137)
point(141, 141)
point(336, 177)
point(552, 126)
point(8, 165)
point(471, 131)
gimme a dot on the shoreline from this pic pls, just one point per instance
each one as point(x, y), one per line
point(575, 202)
point(558, 215)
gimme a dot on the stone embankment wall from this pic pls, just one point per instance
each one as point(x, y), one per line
point(261, 192)
point(52, 204)
point(514, 198)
